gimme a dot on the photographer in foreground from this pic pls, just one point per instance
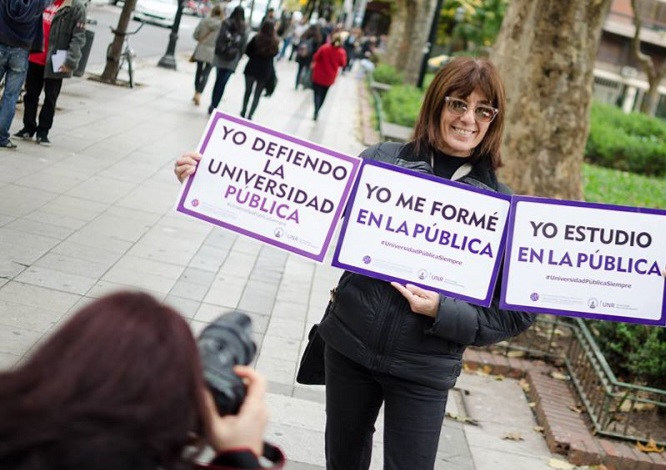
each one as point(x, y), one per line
point(121, 386)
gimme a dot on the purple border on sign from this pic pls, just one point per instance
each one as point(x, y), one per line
point(366, 272)
point(355, 161)
point(568, 313)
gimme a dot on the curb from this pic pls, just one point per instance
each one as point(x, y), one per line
point(369, 136)
point(565, 429)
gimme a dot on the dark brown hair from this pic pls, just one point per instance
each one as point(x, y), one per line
point(267, 42)
point(119, 385)
point(459, 78)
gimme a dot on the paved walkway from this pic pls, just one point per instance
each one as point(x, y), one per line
point(94, 213)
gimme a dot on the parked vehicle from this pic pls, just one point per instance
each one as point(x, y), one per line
point(198, 8)
point(161, 12)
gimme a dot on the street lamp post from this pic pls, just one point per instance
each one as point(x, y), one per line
point(458, 17)
point(168, 60)
point(432, 37)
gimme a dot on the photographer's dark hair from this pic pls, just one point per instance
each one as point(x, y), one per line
point(118, 386)
point(267, 42)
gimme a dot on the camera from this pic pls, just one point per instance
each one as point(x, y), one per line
point(223, 344)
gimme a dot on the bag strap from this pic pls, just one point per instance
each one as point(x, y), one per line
point(205, 37)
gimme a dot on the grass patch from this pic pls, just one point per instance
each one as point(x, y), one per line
point(621, 188)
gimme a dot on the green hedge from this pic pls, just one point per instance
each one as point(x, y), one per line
point(631, 142)
point(384, 73)
point(401, 104)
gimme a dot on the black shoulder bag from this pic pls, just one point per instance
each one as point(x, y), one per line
point(311, 370)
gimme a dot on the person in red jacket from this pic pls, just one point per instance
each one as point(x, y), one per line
point(326, 62)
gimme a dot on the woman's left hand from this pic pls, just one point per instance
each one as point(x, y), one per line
point(421, 301)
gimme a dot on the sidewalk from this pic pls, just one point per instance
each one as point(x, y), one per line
point(94, 213)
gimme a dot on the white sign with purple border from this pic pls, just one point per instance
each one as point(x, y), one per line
point(414, 228)
point(586, 260)
point(270, 186)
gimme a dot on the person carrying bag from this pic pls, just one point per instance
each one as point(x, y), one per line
point(205, 34)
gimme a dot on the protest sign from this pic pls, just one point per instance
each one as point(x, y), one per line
point(410, 227)
point(587, 260)
point(270, 186)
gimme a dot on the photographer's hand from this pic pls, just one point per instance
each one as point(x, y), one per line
point(244, 430)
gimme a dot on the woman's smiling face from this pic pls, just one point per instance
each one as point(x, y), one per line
point(462, 133)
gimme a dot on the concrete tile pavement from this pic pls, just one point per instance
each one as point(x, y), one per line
point(94, 213)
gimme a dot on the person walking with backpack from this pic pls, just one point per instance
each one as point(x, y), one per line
point(205, 34)
point(259, 69)
point(326, 63)
point(229, 48)
point(309, 43)
point(64, 26)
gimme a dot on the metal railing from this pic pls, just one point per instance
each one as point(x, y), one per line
point(616, 409)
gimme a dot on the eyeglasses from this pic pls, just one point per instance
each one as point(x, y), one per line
point(482, 112)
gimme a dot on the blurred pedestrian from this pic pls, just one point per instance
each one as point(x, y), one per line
point(310, 41)
point(300, 26)
point(64, 28)
point(260, 70)
point(205, 34)
point(120, 386)
point(20, 33)
point(352, 45)
point(229, 47)
point(285, 32)
point(326, 62)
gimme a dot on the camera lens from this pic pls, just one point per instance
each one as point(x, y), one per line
point(223, 344)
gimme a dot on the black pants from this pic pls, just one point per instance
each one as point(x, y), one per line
point(320, 92)
point(413, 417)
point(201, 76)
point(299, 74)
point(34, 83)
point(250, 82)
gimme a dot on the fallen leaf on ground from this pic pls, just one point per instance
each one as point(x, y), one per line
point(577, 409)
point(559, 375)
point(560, 464)
point(627, 406)
point(538, 429)
point(463, 419)
point(499, 377)
point(651, 446)
point(516, 354)
point(513, 436)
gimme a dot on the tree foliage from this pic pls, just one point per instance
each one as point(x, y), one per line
point(470, 25)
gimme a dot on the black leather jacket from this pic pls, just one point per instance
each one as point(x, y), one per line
point(371, 322)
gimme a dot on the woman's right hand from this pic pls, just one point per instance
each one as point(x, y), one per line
point(186, 165)
point(244, 430)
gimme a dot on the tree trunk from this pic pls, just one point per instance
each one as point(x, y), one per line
point(115, 48)
point(546, 52)
point(651, 100)
point(408, 36)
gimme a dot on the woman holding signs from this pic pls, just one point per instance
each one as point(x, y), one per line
point(402, 346)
